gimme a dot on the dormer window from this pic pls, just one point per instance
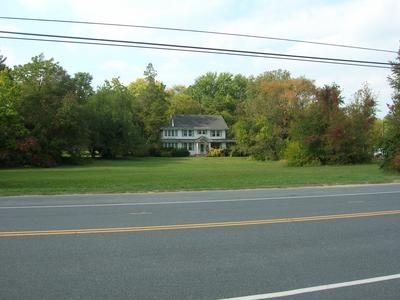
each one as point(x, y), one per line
point(215, 133)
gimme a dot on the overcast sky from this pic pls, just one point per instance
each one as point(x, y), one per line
point(366, 23)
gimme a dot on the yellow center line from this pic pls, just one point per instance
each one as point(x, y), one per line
point(196, 226)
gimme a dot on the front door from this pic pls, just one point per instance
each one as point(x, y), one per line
point(202, 148)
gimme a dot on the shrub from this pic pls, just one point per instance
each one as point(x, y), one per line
point(174, 152)
point(215, 152)
point(396, 161)
point(296, 156)
point(180, 152)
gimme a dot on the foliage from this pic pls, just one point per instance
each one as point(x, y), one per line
point(173, 152)
point(333, 134)
point(360, 134)
point(219, 94)
point(113, 121)
point(151, 101)
point(180, 102)
point(2, 64)
point(217, 152)
point(296, 156)
point(12, 127)
point(51, 109)
point(48, 116)
point(265, 117)
point(391, 140)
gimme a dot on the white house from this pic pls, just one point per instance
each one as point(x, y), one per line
point(196, 133)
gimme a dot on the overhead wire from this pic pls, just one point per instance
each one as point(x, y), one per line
point(183, 50)
point(198, 31)
point(186, 48)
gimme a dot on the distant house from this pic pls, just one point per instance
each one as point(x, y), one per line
point(196, 133)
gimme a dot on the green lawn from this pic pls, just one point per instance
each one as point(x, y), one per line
point(171, 174)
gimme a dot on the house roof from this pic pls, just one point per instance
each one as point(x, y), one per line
point(199, 122)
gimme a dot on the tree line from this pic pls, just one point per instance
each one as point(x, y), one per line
point(48, 117)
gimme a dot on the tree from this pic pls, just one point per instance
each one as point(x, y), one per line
point(180, 102)
point(265, 118)
point(113, 121)
point(50, 108)
point(327, 132)
point(219, 94)
point(13, 133)
point(319, 127)
point(2, 64)
point(359, 139)
point(83, 86)
point(391, 143)
point(151, 100)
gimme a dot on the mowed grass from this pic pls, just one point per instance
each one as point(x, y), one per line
point(173, 174)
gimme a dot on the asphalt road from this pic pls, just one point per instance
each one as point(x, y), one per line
point(203, 245)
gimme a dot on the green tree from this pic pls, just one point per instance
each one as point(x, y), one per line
point(180, 102)
point(50, 109)
point(220, 94)
point(359, 134)
point(13, 132)
point(151, 100)
point(391, 143)
point(265, 118)
point(113, 121)
point(2, 64)
point(83, 86)
point(330, 133)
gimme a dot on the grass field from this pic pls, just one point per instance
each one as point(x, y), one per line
point(172, 174)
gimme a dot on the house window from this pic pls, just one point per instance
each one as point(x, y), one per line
point(170, 145)
point(171, 132)
point(187, 146)
point(187, 132)
point(201, 132)
point(215, 133)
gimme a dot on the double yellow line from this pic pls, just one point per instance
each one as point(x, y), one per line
point(196, 226)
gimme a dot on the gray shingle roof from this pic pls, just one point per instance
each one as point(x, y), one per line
point(199, 122)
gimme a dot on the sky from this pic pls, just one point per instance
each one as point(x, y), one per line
point(365, 23)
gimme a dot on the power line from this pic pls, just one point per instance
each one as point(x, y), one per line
point(199, 31)
point(176, 47)
point(184, 50)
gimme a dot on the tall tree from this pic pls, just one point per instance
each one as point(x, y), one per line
point(113, 121)
point(13, 146)
point(2, 64)
point(180, 102)
point(274, 100)
point(50, 109)
point(151, 98)
point(391, 143)
point(83, 86)
point(359, 140)
point(219, 93)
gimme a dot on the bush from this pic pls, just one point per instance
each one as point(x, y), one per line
point(296, 156)
point(174, 152)
point(180, 152)
point(396, 161)
point(216, 152)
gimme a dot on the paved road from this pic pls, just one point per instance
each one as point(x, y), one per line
point(203, 245)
